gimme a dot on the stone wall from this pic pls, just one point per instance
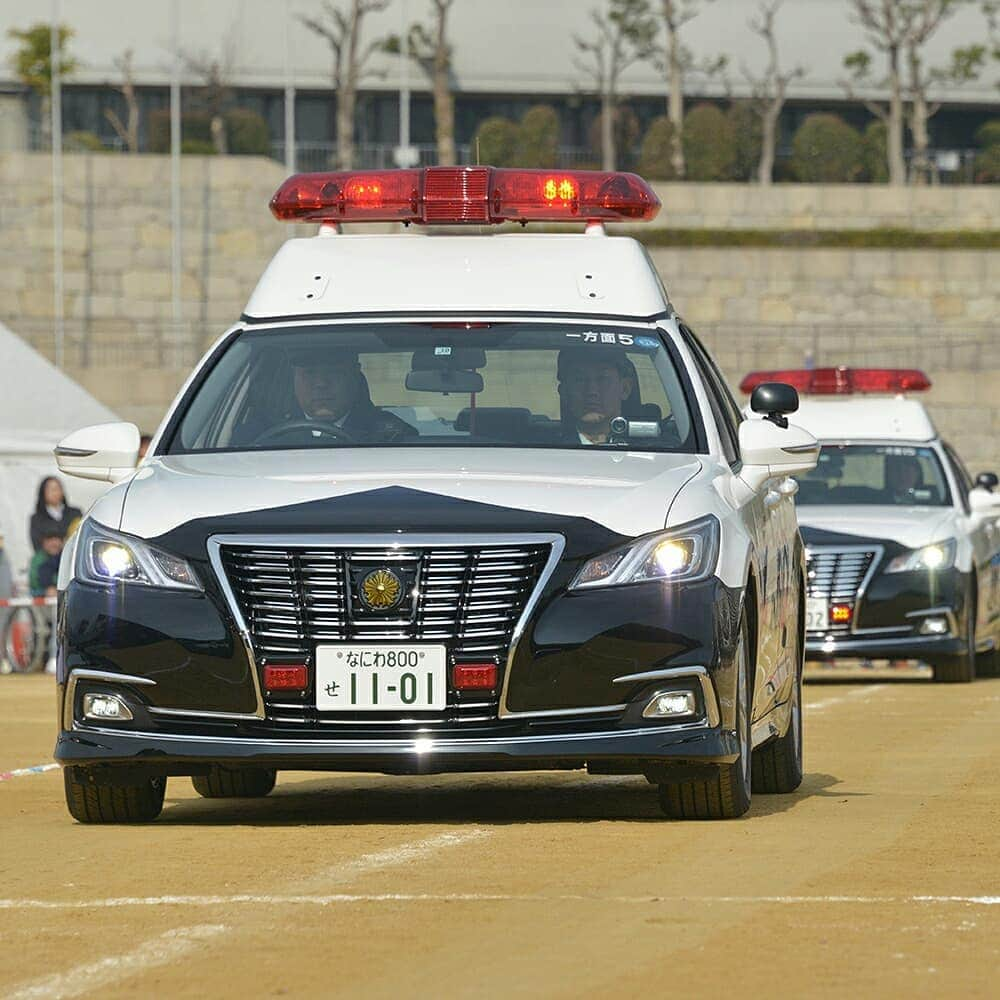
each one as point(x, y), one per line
point(755, 308)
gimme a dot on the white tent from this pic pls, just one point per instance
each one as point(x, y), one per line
point(39, 405)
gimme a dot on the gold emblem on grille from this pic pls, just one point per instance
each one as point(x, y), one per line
point(381, 589)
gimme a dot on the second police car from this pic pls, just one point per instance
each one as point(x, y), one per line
point(442, 503)
point(902, 544)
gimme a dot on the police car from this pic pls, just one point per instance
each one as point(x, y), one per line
point(442, 502)
point(902, 544)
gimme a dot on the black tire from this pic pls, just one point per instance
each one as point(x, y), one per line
point(92, 803)
point(988, 664)
point(242, 783)
point(724, 791)
point(960, 668)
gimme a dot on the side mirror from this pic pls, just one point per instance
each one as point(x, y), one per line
point(983, 501)
point(105, 452)
point(769, 451)
point(987, 481)
point(775, 400)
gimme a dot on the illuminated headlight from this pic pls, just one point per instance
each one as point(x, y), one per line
point(687, 553)
point(106, 557)
point(930, 557)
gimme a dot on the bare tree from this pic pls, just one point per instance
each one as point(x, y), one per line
point(886, 23)
point(340, 24)
point(127, 131)
point(214, 94)
point(429, 48)
point(623, 34)
point(676, 61)
point(770, 89)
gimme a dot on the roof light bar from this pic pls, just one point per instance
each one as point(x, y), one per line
point(457, 195)
point(842, 381)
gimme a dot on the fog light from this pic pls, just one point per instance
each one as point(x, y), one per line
point(934, 626)
point(105, 706)
point(670, 705)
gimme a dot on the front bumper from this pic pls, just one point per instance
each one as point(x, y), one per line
point(909, 647)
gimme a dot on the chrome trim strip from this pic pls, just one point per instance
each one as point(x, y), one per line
point(189, 713)
point(105, 676)
point(563, 712)
point(712, 715)
point(396, 746)
point(402, 539)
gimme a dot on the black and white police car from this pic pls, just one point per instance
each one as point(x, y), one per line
point(902, 545)
point(442, 503)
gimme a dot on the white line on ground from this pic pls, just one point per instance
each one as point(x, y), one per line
point(20, 772)
point(862, 694)
point(347, 871)
point(105, 972)
point(330, 899)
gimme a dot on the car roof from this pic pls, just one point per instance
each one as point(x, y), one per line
point(334, 274)
point(865, 418)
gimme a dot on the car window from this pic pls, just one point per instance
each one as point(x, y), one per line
point(893, 475)
point(412, 384)
point(722, 407)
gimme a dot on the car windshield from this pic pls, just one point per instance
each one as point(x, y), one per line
point(437, 384)
point(892, 475)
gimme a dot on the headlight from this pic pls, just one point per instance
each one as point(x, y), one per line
point(106, 557)
point(931, 557)
point(687, 553)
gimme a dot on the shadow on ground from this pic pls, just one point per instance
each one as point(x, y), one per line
point(527, 798)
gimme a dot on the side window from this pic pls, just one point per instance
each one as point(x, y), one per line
point(961, 474)
point(727, 397)
point(726, 413)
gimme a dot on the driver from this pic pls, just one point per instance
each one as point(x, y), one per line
point(330, 389)
point(593, 384)
point(902, 476)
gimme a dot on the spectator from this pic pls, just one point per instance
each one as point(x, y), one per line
point(144, 442)
point(43, 575)
point(52, 511)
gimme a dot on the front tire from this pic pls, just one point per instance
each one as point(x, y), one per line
point(724, 792)
point(226, 783)
point(89, 802)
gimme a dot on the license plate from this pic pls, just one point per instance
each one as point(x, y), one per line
point(381, 677)
point(817, 614)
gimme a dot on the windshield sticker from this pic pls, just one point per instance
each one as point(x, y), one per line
point(594, 337)
point(906, 452)
point(442, 352)
point(647, 343)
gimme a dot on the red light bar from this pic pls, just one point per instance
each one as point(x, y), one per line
point(842, 381)
point(454, 195)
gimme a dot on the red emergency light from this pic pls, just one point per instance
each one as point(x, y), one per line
point(842, 381)
point(456, 195)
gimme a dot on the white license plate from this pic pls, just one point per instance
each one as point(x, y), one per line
point(381, 677)
point(817, 614)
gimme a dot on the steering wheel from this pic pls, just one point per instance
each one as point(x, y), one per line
point(321, 427)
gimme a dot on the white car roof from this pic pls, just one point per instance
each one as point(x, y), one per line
point(865, 418)
point(587, 274)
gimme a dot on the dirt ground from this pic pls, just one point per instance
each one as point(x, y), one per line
point(879, 878)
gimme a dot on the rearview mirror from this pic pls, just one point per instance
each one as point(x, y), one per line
point(770, 451)
point(105, 452)
point(987, 481)
point(444, 380)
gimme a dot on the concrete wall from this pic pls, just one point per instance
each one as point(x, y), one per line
point(755, 308)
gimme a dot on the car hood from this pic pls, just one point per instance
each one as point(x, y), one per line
point(909, 526)
point(628, 493)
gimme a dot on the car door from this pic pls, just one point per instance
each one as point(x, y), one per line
point(771, 519)
point(984, 535)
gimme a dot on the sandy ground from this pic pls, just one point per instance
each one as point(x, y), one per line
point(879, 878)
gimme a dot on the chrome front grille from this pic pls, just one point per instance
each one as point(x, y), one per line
point(838, 576)
point(468, 597)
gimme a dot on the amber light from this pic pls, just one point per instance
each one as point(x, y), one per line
point(556, 189)
point(474, 676)
point(841, 381)
point(286, 677)
point(841, 614)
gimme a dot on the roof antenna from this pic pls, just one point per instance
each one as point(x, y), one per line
point(477, 151)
